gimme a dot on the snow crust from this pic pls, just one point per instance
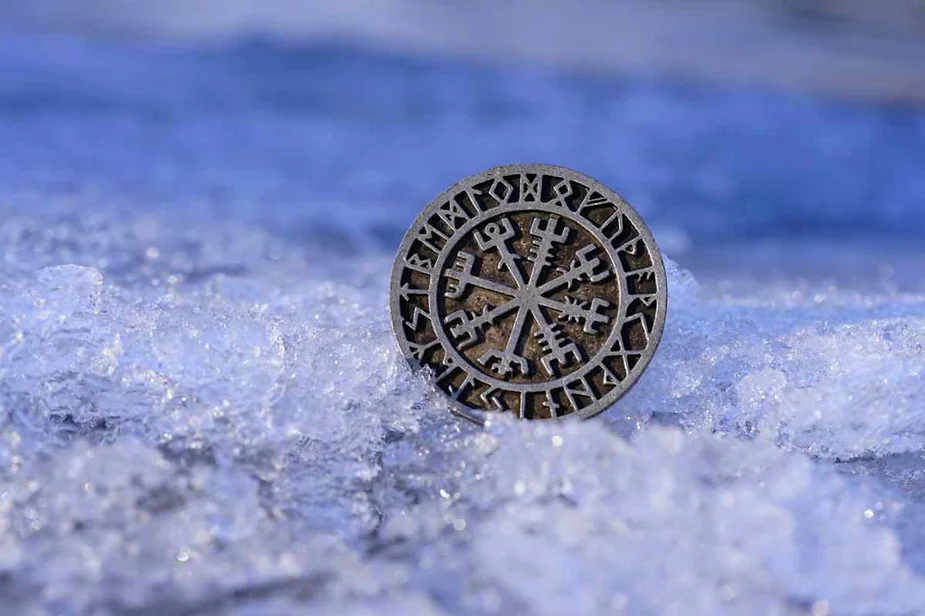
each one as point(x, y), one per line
point(204, 410)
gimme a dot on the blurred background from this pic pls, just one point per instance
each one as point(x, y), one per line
point(852, 47)
point(789, 133)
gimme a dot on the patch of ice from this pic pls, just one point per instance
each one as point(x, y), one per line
point(256, 440)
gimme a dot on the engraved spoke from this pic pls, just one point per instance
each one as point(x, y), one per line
point(585, 266)
point(509, 259)
point(504, 362)
point(559, 351)
point(464, 277)
point(486, 284)
point(466, 327)
point(517, 330)
point(574, 310)
point(547, 235)
point(494, 236)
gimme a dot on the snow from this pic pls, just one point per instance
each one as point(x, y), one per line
point(204, 410)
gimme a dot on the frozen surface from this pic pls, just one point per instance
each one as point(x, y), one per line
point(203, 410)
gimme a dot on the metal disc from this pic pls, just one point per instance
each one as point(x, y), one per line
point(529, 289)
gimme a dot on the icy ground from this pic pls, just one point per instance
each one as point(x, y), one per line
point(204, 410)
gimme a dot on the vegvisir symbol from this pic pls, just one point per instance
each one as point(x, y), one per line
point(549, 233)
point(530, 289)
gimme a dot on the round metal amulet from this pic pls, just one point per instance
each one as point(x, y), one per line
point(529, 289)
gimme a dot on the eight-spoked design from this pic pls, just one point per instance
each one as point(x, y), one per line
point(531, 289)
point(531, 297)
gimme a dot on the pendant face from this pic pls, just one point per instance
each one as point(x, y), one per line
point(529, 289)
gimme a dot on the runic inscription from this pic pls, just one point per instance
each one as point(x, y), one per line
point(529, 289)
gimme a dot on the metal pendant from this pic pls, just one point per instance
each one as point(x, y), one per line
point(529, 289)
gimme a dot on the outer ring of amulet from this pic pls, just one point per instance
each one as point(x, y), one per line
point(530, 289)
